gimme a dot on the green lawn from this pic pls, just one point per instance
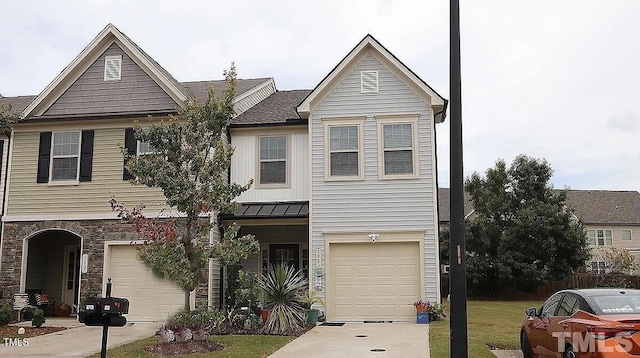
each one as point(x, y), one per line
point(490, 323)
point(245, 346)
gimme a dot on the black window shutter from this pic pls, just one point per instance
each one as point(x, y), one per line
point(131, 144)
point(86, 155)
point(43, 157)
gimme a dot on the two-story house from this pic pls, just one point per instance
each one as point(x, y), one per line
point(345, 182)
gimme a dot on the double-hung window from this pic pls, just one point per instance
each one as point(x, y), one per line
point(598, 267)
point(397, 154)
point(273, 160)
point(600, 237)
point(344, 149)
point(144, 148)
point(65, 158)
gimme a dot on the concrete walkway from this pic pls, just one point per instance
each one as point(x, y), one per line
point(77, 341)
point(360, 340)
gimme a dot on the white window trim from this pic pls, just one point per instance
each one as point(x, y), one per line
point(287, 164)
point(601, 267)
point(604, 237)
point(138, 151)
point(75, 181)
point(630, 235)
point(117, 58)
point(399, 119)
point(338, 122)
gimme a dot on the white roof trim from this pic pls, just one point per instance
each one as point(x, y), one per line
point(97, 43)
point(304, 108)
point(268, 82)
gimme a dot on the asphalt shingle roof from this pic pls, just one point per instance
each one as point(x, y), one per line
point(605, 207)
point(199, 89)
point(444, 204)
point(18, 103)
point(279, 107)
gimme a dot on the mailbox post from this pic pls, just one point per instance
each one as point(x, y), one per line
point(106, 312)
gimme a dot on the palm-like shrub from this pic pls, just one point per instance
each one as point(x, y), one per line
point(282, 288)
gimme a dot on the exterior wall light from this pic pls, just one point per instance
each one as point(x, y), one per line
point(373, 236)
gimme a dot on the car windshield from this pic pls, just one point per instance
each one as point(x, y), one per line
point(617, 304)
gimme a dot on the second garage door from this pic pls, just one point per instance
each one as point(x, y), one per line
point(150, 298)
point(373, 281)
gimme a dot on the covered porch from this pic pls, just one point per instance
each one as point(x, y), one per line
point(51, 268)
point(282, 229)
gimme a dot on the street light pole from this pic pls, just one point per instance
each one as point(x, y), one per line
point(457, 262)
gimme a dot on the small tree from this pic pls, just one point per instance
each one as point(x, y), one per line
point(522, 235)
point(190, 163)
point(618, 265)
point(8, 117)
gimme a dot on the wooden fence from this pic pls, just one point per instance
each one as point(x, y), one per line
point(579, 280)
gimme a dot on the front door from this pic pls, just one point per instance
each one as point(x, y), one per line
point(287, 254)
point(71, 269)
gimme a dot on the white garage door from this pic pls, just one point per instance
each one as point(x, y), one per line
point(150, 298)
point(373, 281)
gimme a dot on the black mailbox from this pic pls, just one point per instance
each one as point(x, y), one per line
point(104, 311)
point(115, 305)
point(91, 305)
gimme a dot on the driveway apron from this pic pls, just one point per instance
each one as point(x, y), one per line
point(360, 340)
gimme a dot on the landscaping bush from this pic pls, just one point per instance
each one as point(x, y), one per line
point(282, 288)
point(6, 315)
point(38, 317)
point(436, 312)
point(248, 290)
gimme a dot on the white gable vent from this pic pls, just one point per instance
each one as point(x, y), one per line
point(112, 68)
point(369, 81)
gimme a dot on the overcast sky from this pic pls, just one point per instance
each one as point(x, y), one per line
point(547, 78)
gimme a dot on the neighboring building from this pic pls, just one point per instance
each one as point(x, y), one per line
point(345, 182)
point(611, 219)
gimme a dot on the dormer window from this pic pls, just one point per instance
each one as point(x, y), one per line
point(113, 68)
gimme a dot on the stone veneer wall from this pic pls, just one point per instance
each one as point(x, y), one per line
point(94, 234)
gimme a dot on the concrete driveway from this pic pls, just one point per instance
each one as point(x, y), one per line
point(77, 341)
point(360, 340)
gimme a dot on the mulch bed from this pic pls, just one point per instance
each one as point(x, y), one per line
point(12, 331)
point(189, 347)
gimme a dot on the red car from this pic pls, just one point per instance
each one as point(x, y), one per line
point(590, 323)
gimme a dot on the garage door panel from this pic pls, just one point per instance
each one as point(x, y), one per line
point(385, 279)
point(150, 297)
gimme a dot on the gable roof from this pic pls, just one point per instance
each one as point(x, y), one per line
point(278, 108)
point(392, 62)
point(590, 206)
point(96, 47)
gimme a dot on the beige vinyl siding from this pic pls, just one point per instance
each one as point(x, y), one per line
point(374, 205)
point(28, 198)
point(3, 166)
point(632, 245)
point(244, 165)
